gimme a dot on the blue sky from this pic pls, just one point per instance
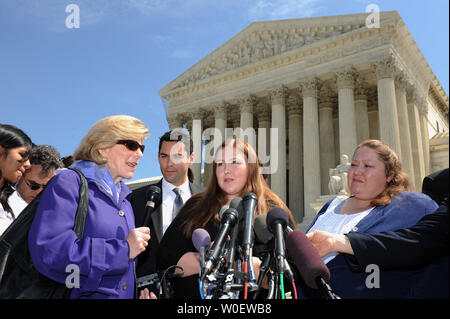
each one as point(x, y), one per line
point(55, 82)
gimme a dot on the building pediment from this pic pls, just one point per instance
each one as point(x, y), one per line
point(264, 40)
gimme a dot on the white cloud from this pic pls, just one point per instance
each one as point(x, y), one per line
point(182, 54)
point(283, 9)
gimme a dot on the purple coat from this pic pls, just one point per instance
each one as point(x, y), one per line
point(106, 271)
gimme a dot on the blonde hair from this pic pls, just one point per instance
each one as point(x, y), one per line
point(105, 134)
point(399, 182)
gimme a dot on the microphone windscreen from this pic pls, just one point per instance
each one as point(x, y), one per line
point(236, 203)
point(261, 230)
point(277, 214)
point(223, 210)
point(201, 238)
point(155, 189)
point(306, 258)
point(153, 193)
point(250, 195)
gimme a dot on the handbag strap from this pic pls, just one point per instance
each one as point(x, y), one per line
point(83, 203)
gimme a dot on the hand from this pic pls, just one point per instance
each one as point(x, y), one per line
point(145, 294)
point(322, 241)
point(326, 243)
point(137, 240)
point(190, 262)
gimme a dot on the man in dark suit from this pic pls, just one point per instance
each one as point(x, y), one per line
point(175, 156)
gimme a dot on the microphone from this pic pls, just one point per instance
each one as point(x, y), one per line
point(153, 194)
point(237, 204)
point(312, 268)
point(249, 202)
point(277, 220)
point(261, 230)
point(229, 219)
point(201, 241)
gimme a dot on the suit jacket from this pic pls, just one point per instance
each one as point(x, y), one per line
point(435, 185)
point(423, 243)
point(146, 264)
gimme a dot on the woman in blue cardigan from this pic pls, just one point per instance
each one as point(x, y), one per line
point(380, 201)
point(104, 257)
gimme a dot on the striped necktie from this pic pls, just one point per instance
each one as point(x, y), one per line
point(178, 202)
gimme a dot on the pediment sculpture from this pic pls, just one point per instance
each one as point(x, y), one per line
point(264, 44)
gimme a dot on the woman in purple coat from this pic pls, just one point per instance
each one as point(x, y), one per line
point(104, 258)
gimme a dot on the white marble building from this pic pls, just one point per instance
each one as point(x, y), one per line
point(325, 84)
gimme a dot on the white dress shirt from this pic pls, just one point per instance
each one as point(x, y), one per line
point(168, 198)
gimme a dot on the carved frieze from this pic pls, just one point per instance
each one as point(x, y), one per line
point(263, 44)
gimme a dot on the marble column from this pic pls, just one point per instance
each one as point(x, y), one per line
point(311, 151)
point(196, 135)
point(278, 143)
point(347, 117)
point(374, 121)
point(220, 120)
point(208, 126)
point(416, 137)
point(326, 137)
point(263, 115)
point(403, 122)
point(423, 115)
point(387, 103)
point(361, 113)
point(295, 157)
point(246, 120)
point(174, 121)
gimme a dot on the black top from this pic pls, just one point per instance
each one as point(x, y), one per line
point(146, 264)
point(175, 244)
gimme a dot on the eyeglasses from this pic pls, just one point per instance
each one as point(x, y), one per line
point(33, 185)
point(132, 145)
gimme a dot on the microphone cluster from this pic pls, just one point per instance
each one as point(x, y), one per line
point(226, 266)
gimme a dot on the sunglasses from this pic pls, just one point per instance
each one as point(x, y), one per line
point(33, 185)
point(132, 145)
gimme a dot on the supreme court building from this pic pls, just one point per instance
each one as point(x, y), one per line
point(324, 84)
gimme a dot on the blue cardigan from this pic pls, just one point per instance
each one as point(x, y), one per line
point(405, 210)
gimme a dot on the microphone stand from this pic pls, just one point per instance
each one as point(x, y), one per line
point(262, 272)
point(164, 285)
point(271, 282)
point(325, 289)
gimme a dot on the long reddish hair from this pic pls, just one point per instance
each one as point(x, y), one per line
point(209, 202)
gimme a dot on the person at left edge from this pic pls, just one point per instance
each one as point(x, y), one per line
point(175, 157)
point(105, 256)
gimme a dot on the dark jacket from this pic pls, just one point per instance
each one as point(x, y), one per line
point(146, 264)
point(175, 244)
point(425, 242)
point(405, 210)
